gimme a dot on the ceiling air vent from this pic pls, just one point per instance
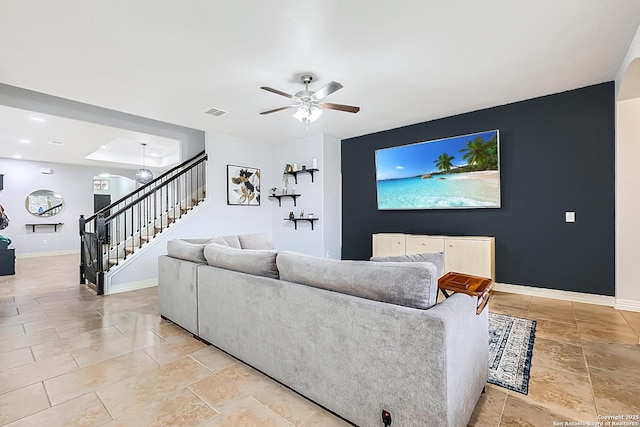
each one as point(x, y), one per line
point(215, 112)
point(56, 143)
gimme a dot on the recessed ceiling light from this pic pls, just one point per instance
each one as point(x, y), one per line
point(38, 119)
point(25, 141)
point(103, 147)
point(154, 154)
point(17, 156)
point(104, 175)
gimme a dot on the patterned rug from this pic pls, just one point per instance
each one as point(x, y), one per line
point(510, 351)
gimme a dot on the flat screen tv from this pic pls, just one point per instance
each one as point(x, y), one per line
point(451, 173)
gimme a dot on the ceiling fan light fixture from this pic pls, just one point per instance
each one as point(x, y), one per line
point(309, 104)
point(308, 113)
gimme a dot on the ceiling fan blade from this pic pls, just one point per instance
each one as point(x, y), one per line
point(327, 90)
point(275, 110)
point(340, 107)
point(276, 91)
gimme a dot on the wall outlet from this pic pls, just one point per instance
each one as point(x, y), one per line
point(570, 217)
point(328, 254)
point(44, 242)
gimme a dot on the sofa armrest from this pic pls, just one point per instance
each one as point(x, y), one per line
point(466, 333)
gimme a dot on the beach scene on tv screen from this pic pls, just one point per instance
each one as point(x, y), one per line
point(457, 172)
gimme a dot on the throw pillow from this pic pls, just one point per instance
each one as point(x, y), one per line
point(250, 261)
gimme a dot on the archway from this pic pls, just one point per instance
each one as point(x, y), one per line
point(628, 189)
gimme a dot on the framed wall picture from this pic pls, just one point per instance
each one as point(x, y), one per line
point(243, 186)
point(100, 184)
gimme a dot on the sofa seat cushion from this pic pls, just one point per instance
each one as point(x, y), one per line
point(436, 258)
point(256, 241)
point(187, 249)
point(411, 284)
point(250, 261)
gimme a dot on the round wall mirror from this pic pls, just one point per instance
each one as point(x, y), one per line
point(44, 203)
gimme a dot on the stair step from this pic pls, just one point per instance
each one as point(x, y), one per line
point(145, 238)
point(129, 249)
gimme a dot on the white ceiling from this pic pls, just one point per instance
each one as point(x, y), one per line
point(402, 62)
point(41, 137)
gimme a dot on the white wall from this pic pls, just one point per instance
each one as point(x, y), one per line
point(320, 197)
point(628, 183)
point(285, 237)
point(74, 183)
point(627, 201)
point(332, 200)
point(215, 218)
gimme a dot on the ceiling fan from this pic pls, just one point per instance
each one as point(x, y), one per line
point(308, 103)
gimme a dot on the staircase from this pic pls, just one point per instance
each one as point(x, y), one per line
point(113, 234)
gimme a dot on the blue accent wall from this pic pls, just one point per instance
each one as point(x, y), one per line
point(557, 154)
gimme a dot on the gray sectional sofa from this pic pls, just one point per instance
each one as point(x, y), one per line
point(356, 337)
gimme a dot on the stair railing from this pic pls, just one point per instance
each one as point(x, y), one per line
point(118, 230)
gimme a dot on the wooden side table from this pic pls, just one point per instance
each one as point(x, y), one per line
point(479, 287)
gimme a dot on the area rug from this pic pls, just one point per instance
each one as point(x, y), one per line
point(510, 351)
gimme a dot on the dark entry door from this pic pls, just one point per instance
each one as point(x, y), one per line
point(100, 201)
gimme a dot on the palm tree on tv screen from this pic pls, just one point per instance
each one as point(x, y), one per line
point(481, 155)
point(443, 162)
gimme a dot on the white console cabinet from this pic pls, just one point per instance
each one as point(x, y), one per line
point(463, 254)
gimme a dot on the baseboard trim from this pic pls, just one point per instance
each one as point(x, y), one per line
point(556, 294)
point(627, 304)
point(43, 254)
point(132, 286)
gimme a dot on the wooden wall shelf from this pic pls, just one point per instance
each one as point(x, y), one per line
point(295, 221)
point(55, 225)
point(280, 196)
point(309, 171)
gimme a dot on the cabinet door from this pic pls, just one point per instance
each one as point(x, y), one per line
point(423, 244)
point(388, 244)
point(471, 256)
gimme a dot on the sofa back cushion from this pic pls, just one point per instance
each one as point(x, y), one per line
point(231, 241)
point(256, 241)
point(436, 258)
point(250, 261)
point(409, 284)
point(187, 249)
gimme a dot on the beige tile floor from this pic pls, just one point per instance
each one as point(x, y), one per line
point(70, 358)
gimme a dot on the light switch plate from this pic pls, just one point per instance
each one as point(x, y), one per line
point(570, 216)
